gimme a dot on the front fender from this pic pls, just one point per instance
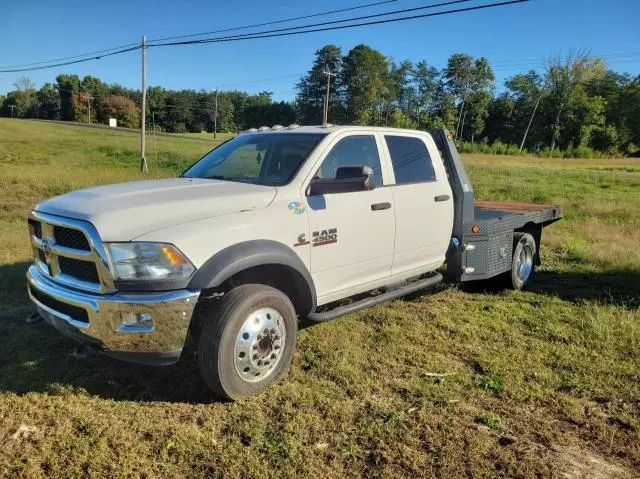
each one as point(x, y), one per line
point(248, 254)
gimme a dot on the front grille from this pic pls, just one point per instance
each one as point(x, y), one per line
point(70, 251)
point(71, 238)
point(74, 312)
point(82, 270)
point(37, 228)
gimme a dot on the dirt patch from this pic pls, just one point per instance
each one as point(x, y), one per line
point(581, 464)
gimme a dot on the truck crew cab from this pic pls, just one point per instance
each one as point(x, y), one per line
point(275, 225)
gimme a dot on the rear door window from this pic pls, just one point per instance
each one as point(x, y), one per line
point(411, 160)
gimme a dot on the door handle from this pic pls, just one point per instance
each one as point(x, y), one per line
point(380, 206)
point(441, 198)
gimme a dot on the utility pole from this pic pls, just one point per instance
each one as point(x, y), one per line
point(325, 114)
point(143, 161)
point(215, 117)
point(533, 113)
point(12, 107)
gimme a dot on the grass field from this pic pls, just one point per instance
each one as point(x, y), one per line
point(543, 383)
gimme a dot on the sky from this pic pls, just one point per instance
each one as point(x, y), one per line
point(514, 38)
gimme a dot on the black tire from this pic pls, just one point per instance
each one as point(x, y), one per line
point(221, 327)
point(523, 262)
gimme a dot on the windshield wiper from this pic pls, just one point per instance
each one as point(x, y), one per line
point(236, 179)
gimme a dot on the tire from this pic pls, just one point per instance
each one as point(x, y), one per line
point(523, 263)
point(247, 342)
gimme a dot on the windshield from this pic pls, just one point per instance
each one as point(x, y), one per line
point(263, 158)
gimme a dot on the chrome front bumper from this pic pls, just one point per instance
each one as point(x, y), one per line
point(157, 334)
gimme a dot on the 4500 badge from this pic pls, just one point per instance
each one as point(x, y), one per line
point(319, 238)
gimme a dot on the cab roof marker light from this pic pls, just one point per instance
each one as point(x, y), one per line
point(293, 126)
point(277, 127)
point(264, 128)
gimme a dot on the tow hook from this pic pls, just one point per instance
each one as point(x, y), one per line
point(34, 318)
point(85, 351)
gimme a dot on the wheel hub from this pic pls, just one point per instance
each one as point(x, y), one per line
point(524, 264)
point(259, 344)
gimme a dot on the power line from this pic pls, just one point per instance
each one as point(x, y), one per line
point(106, 50)
point(267, 34)
point(280, 33)
point(72, 57)
point(274, 33)
point(71, 62)
point(273, 22)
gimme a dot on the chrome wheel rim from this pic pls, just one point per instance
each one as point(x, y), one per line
point(524, 263)
point(259, 345)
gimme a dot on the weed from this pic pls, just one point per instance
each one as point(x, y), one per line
point(489, 421)
point(494, 383)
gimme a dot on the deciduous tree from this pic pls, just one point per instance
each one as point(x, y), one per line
point(122, 109)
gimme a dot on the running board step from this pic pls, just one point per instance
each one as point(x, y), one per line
point(368, 302)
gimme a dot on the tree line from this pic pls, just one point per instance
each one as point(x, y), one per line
point(89, 100)
point(576, 106)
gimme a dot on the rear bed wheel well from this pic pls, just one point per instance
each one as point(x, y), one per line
point(534, 230)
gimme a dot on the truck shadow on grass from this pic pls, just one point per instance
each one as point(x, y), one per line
point(618, 287)
point(615, 287)
point(37, 358)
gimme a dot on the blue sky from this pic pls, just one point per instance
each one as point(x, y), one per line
point(513, 38)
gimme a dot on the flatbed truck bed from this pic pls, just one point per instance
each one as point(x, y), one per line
point(486, 232)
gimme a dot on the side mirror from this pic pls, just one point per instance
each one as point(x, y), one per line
point(347, 180)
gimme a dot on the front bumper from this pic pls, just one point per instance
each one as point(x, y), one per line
point(103, 320)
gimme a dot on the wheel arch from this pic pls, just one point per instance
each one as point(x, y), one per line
point(535, 230)
point(261, 261)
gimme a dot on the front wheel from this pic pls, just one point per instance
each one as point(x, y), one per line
point(248, 341)
point(523, 263)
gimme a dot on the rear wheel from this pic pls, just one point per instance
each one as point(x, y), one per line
point(523, 263)
point(248, 341)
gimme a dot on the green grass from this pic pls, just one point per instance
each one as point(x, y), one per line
point(543, 383)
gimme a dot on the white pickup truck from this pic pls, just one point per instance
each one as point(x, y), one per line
point(275, 225)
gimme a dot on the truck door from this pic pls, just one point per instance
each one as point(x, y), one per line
point(423, 203)
point(352, 234)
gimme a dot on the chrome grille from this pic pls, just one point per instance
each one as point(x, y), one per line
point(70, 252)
point(71, 238)
point(83, 270)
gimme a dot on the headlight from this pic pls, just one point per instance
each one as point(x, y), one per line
point(149, 261)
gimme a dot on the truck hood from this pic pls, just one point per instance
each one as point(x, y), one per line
point(124, 211)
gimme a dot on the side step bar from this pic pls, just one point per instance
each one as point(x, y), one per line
point(368, 302)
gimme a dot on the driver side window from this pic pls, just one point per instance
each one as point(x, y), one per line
point(356, 150)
